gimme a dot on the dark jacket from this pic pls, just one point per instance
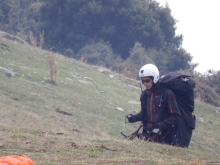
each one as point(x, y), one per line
point(158, 105)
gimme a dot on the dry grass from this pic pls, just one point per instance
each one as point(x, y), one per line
point(41, 40)
point(52, 64)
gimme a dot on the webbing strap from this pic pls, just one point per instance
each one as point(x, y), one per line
point(166, 134)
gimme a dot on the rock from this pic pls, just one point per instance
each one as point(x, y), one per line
point(85, 82)
point(132, 86)
point(217, 110)
point(119, 109)
point(34, 94)
point(87, 78)
point(69, 79)
point(3, 68)
point(28, 141)
point(201, 119)
point(134, 102)
point(100, 70)
point(111, 76)
point(10, 73)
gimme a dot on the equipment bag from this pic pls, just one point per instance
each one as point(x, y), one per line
point(183, 87)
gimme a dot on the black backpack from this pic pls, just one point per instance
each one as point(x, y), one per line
point(183, 87)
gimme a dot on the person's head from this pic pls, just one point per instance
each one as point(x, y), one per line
point(149, 75)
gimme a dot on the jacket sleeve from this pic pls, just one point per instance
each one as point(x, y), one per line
point(139, 116)
point(143, 99)
point(173, 110)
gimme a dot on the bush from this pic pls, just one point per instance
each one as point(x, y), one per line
point(161, 60)
point(98, 53)
point(69, 53)
point(206, 94)
point(138, 57)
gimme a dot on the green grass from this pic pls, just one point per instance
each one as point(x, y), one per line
point(75, 121)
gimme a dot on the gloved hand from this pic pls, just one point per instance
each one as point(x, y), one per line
point(155, 129)
point(131, 118)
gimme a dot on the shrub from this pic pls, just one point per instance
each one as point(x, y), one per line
point(98, 53)
point(52, 64)
point(69, 53)
point(206, 94)
point(138, 57)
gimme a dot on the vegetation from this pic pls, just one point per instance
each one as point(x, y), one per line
point(20, 17)
point(74, 24)
point(75, 121)
point(60, 111)
point(121, 36)
point(71, 26)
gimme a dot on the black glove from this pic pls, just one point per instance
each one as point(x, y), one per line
point(155, 129)
point(131, 118)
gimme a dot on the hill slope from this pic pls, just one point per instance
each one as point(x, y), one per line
point(75, 121)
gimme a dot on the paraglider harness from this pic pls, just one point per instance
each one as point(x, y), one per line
point(145, 135)
point(133, 135)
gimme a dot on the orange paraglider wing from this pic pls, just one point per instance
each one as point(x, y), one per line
point(16, 160)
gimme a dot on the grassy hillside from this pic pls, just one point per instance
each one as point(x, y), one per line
point(75, 120)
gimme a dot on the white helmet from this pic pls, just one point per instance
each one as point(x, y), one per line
point(149, 70)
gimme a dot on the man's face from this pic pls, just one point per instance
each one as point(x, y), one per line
point(148, 82)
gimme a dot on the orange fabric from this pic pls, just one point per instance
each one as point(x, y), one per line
point(16, 160)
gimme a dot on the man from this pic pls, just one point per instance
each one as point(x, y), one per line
point(159, 110)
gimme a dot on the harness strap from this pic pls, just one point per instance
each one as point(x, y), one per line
point(166, 133)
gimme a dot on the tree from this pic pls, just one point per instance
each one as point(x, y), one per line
point(179, 59)
point(70, 25)
point(74, 23)
point(8, 16)
point(20, 16)
point(138, 57)
point(98, 53)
